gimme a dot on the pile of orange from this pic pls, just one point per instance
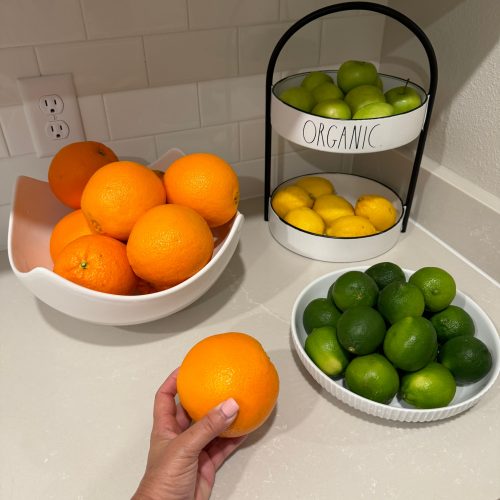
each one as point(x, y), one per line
point(133, 231)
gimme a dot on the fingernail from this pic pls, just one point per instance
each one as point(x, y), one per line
point(229, 408)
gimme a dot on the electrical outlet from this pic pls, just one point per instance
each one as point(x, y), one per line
point(51, 104)
point(57, 130)
point(52, 112)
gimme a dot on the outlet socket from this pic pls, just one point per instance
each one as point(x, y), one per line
point(51, 104)
point(57, 130)
point(52, 112)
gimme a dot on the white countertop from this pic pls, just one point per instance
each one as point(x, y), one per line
point(76, 398)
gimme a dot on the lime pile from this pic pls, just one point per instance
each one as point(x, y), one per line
point(312, 204)
point(392, 337)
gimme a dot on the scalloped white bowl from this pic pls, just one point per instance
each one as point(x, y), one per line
point(465, 397)
point(35, 211)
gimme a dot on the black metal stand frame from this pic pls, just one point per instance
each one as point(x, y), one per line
point(381, 9)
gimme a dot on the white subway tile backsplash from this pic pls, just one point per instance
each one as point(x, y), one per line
point(11, 168)
point(221, 13)
point(4, 152)
point(230, 100)
point(141, 149)
point(295, 9)
point(191, 56)
point(16, 131)
point(4, 224)
point(95, 123)
point(256, 44)
point(221, 140)
point(97, 66)
point(251, 177)
point(143, 112)
point(158, 74)
point(15, 63)
point(29, 22)
point(104, 20)
point(252, 141)
point(341, 40)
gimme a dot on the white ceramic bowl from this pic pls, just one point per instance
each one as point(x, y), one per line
point(346, 136)
point(35, 211)
point(465, 397)
point(330, 249)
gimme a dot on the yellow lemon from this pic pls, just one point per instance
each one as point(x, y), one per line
point(377, 209)
point(288, 198)
point(315, 186)
point(350, 226)
point(307, 219)
point(331, 207)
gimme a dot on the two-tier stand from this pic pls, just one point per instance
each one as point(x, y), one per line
point(348, 137)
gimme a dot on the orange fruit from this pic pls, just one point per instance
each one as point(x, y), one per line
point(169, 244)
point(67, 229)
point(97, 262)
point(73, 165)
point(118, 194)
point(229, 365)
point(206, 183)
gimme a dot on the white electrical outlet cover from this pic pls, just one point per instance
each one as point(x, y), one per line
point(52, 112)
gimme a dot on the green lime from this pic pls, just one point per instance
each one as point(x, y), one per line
point(385, 272)
point(430, 387)
point(468, 358)
point(319, 312)
point(373, 377)
point(437, 285)
point(323, 347)
point(361, 330)
point(410, 343)
point(452, 322)
point(400, 299)
point(354, 288)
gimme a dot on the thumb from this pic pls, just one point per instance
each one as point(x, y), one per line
point(210, 426)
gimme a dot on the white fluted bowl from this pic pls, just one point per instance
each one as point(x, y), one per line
point(465, 397)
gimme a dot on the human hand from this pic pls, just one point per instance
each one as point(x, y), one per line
point(184, 458)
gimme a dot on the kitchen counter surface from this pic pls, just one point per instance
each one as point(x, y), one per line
point(76, 398)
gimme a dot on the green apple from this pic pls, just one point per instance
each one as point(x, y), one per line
point(403, 98)
point(332, 108)
point(327, 90)
point(374, 110)
point(354, 73)
point(315, 78)
point(299, 98)
point(363, 95)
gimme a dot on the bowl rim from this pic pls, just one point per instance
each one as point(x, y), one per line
point(393, 411)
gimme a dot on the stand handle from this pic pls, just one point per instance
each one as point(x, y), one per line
point(381, 9)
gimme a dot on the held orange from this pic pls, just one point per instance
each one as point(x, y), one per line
point(229, 365)
point(169, 244)
point(72, 167)
point(118, 194)
point(97, 262)
point(67, 229)
point(206, 183)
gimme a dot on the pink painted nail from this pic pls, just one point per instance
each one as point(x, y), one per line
point(229, 408)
